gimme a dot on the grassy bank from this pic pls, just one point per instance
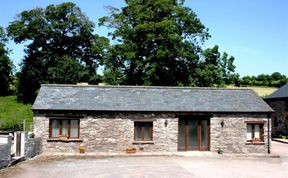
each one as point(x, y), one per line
point(261, 91)
point(12, 113)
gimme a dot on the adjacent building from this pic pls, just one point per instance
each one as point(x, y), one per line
point(279, 102)
point(151, 119)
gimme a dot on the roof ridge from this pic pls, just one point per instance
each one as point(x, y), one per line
point(144, 87)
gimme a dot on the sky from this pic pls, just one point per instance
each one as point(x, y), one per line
point(255, 32)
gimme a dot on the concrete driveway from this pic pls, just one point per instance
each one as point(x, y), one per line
point(217, 166)
point(282, 150)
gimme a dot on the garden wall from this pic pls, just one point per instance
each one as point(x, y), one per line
point(5, 151)
point(33, 147)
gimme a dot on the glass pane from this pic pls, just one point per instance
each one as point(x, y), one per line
point(192, 133)
point(204, 126)
point(74, 128)
point(55, 128)
point(257, 131)
point(249, 132)
point(147, 135)
point(65, 127)
point(138, 133)
point(181, 134)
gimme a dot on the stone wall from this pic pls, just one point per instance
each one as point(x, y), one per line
point(279, 117)
point(5, 152)
point(231, 138)
point(33, 147)
point(115, 132)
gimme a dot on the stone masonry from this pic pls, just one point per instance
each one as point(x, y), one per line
point(232, 137)
point(33, 147)
point(5, 152)
point(279, 117)
point(115, 132)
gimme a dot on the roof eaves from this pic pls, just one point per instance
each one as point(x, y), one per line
point(75, 110)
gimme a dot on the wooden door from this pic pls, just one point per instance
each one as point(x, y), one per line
point(193, 134)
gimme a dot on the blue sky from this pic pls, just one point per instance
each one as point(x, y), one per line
point(255, 32)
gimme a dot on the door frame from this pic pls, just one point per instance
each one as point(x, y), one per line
point(186, 145)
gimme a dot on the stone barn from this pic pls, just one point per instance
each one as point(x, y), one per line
point(151, 119)
point(279, 102)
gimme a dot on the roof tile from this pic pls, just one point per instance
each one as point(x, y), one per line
point(130, 98)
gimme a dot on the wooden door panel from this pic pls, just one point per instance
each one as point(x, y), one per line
point(193, 134)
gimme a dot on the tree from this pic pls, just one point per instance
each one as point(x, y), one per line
point(157, 42)
point(6, 65)
point(58, 34)
point(246, 81)
point(235, 79)
point(263, 80)
point(215, 69)
point(283, 82)
point(67, 71)
point(276, 79)
point(277, 76)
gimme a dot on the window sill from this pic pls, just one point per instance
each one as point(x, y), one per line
point(143, 142)
point(62, 140)
point(255, 143)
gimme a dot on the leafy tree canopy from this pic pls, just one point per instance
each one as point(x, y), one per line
point(158, 42)
point(215, 69)
point(56, 34)
point(274, 80)
point(6, 65)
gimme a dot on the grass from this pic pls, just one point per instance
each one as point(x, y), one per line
point(13, 114)
point(261, 91)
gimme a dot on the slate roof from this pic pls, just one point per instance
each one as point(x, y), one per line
point(280, 93)
point(165, 99)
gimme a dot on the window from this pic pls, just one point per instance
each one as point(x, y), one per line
point(64, 128)
point(143, 131)
point(255, 132)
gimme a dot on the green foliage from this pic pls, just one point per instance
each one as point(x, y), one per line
point(215, 69)
point(13, 113)
point(274, 80)
point(235, 80)
point(157, 42)
point(57, 34)
point(67, 71)
point(112, 76)
point(6, 65)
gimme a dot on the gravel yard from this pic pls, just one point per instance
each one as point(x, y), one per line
point(169, 166)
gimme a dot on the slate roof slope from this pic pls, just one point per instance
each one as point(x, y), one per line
point(167, 99)
point(280, 93)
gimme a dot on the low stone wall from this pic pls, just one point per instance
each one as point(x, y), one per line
point(5, 153)
point(33, 147)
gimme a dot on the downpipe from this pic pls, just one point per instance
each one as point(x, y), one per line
point(269, 135)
